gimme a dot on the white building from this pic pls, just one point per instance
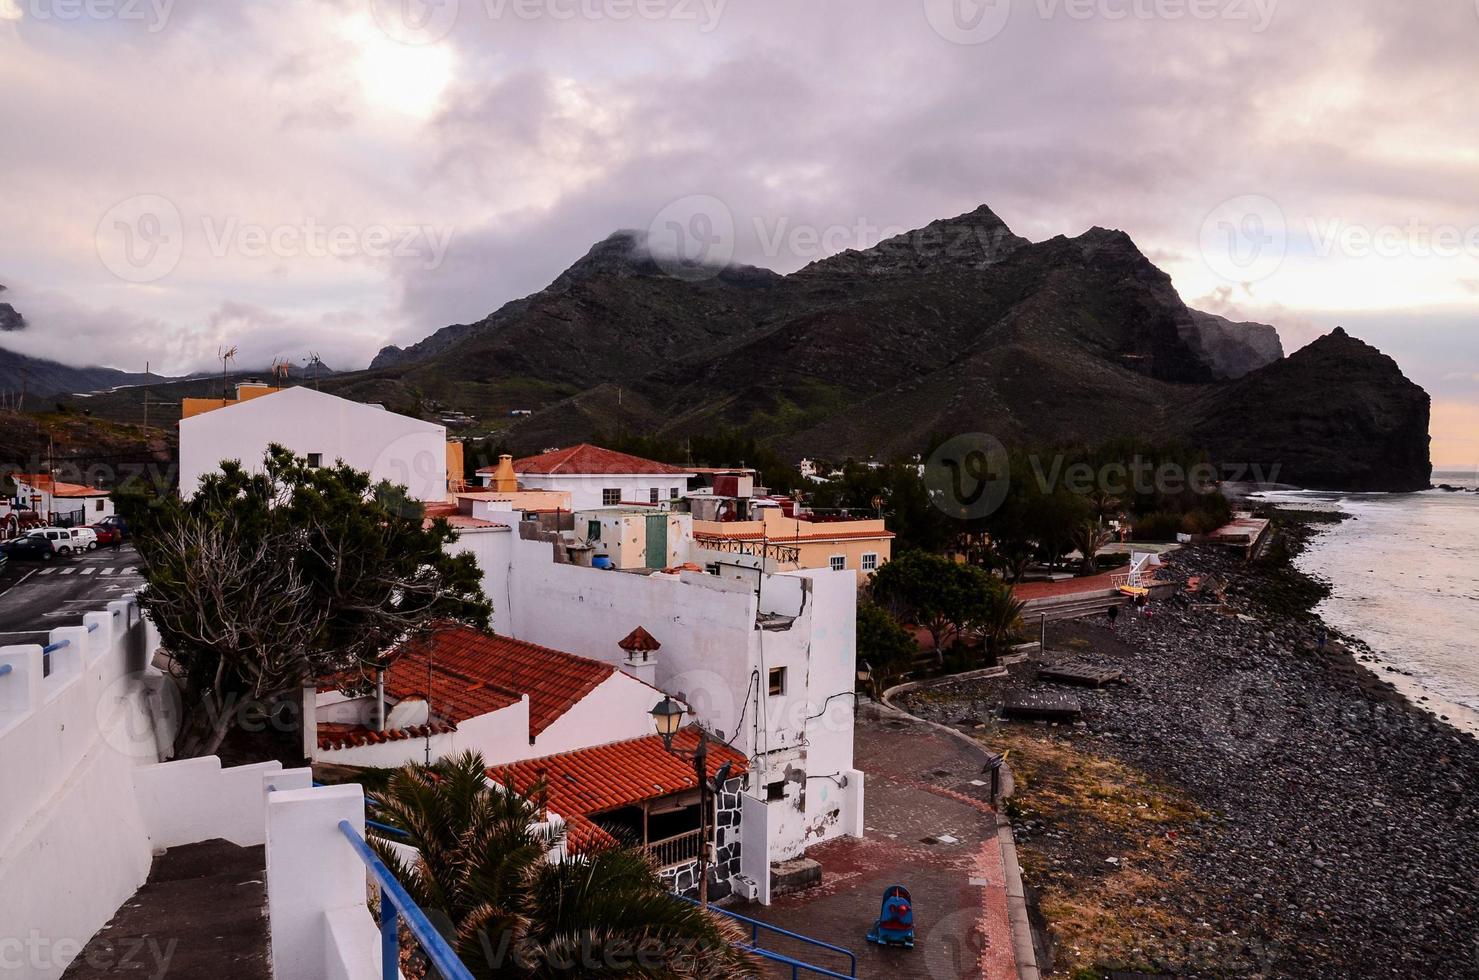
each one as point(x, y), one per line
point(325, 429)
point(58, 502)
point(597, 477)
point(769, 670)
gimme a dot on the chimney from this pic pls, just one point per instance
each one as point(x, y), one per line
point(641, 655)
point(504, 479)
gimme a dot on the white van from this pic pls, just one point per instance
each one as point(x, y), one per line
point(67, 540)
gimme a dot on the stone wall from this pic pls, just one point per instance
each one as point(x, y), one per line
point(683, 878)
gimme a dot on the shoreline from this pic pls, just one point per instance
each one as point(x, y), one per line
point(1383, 668)
point(1245, 804)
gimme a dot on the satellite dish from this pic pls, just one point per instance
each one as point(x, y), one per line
point(410, 713)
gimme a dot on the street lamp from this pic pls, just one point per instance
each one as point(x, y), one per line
point(667, 718)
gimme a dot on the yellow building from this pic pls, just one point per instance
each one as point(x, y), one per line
point(788, 543)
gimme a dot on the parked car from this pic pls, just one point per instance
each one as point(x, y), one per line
point(67, 540)
point(116, 523)
point(28, 548)
point(106, 534)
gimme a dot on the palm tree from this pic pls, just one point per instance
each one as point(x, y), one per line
point(1088, 538)
point(484, 875)
point(998, 619)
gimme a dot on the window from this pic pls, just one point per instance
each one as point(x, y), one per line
point(672, 493)
point(775, 791)
point(593, 530)
point(839, 562)
point(99, 507)
point(777, 681)
point(610, 497)
point(315, 460)
point(870, 562)
point(653, 495)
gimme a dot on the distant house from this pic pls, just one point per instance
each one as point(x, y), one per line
point(66, 504)
point(322, 427)
point(462, 689)
point(596, 477)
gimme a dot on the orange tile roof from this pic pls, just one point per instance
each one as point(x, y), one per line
point(588, 459)
point(473, 673)
point(783, 538)
point(337, 735)
point(607, 777)
point(57, 488)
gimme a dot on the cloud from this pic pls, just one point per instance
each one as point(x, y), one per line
point(528, 137)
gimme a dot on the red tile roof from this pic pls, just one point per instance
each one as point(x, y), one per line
point(336, 735)
point(783, 538)
point(473, 673)
point(587, 459)
point(44, 483)
point(607, 777)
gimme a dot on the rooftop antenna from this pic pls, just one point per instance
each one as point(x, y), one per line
point(313, 359)
point(280, 370)
point(227, 355)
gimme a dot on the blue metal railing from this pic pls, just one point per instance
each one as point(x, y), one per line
point(92, 627)
point(384, 828)
point(5, 669)
point(46, 653)
point(395, 905)
point(756, 927)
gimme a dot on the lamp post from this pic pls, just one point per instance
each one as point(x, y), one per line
point(865, 679)
point(667, 718)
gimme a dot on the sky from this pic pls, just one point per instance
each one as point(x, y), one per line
point(330, 176)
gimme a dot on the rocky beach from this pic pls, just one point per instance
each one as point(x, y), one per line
point(1245, 804)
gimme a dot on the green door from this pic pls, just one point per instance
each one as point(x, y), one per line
point(657, 541)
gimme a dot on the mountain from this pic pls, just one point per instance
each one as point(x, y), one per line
point(960, 326)
point(1336, 415)
point(9, 318)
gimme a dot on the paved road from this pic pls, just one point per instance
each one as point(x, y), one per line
point(36, 597)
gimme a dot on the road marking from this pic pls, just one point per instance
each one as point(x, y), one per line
point(107, 571)
point(21, 579)
point(66, 571)
point(87, 571)
point(23, 633)
point(44, 571)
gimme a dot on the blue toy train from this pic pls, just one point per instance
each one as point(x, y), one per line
point(895, 925)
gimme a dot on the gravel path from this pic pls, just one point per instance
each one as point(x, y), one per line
point(1344, 840)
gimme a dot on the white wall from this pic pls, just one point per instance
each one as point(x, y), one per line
point(492, 549)
point(405, 451)
point(712, 654)
point(586, 491)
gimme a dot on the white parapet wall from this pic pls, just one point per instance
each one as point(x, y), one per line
point(86, 802)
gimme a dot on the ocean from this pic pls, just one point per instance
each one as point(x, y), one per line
point(1404, 574)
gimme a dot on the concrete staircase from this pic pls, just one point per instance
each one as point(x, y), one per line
point(1078, 606)
point(202, 913)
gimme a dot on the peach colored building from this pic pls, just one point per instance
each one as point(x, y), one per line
point(790, 543)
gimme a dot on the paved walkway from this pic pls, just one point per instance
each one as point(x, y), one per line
point(1028, 591)
point(202, 913)
point(930, 829)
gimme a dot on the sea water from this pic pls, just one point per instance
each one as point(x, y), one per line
point(1404, 575)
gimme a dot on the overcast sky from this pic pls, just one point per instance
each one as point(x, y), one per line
point(336, 175)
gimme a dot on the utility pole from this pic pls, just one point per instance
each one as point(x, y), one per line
point(146, 395)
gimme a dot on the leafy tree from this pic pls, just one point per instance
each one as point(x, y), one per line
point(934, 591)
point(884, 644)
point(263, 581)
point(1088, 537)
point(482, 872)
point(998, 618)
